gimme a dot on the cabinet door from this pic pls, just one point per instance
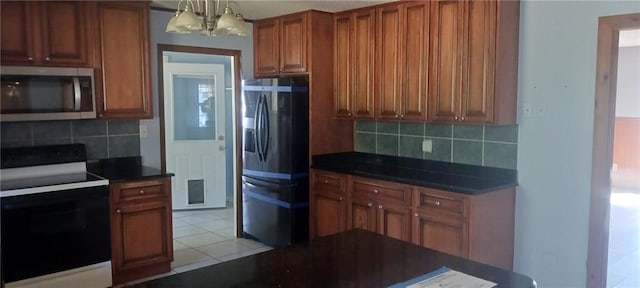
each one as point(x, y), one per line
point(293, 43)
point(415, 60)
point(446, 235)
point(362, 214)
point(265, 47)
point(64, 33)
point(141, 236)
point(125, 78)
point(389, 43)
point(17, 42)
point(328, 214)
point(342, 64)
point(478, 90)
point(363, 68)
point(445, 78)
point(394, 221)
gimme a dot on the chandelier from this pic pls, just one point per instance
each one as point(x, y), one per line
point(207, 18)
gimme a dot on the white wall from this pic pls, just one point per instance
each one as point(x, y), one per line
point(150, 146)
point(557, 65)
point(628, 87)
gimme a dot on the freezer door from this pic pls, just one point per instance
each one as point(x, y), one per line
point(271, 213)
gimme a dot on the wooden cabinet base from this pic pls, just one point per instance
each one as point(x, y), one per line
point(142, 272)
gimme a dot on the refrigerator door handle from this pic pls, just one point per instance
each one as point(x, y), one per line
point(265, 115)
point(257, 125)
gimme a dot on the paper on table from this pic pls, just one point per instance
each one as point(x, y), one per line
point(453, 279)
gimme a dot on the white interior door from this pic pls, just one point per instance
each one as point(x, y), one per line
point(194, 133)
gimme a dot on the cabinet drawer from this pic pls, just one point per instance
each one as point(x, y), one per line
point(433, 200)
point(329, 182)
point(139, 190)
point(383, 191)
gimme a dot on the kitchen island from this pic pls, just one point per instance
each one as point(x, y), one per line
point(355, 258)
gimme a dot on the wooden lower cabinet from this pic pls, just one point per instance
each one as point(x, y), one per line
point(141, 229)
point(445, 235)
point(328, 205)
point(477, 227)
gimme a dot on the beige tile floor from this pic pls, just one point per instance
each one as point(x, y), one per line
point(624, 239)
point(205, 237)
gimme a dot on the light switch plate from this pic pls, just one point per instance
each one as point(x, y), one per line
point(427, 145)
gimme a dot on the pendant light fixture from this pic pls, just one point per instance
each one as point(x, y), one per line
point(205, 17)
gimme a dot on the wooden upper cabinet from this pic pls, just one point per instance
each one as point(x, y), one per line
point(446, 57)
point(280, 45)
point(415, 60)
point(354, 58)
point(125, 79)
point(402, 61)
point(265, 39)
point(46, 33)
point(388, 83)
point(474, 48)
point(343, 64)
point(293, 41)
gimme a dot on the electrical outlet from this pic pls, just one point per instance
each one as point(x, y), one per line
point(427, 145)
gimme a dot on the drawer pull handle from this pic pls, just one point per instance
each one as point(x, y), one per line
point(141, 192)
point(437, 203)
point(369, 204)
point(326, 181)
point(118, 211)
point(375, 191)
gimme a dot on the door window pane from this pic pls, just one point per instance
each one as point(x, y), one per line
point(194, 105)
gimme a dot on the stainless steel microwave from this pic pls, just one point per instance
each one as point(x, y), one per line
point(46, 93)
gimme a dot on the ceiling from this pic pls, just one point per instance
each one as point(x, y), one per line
point(259, 9)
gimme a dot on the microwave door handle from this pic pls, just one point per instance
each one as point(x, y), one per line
point(76, 94)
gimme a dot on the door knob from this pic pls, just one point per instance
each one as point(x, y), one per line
point(220, 137)
point(221, 148)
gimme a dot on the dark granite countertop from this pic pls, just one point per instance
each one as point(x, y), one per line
point(123, 169)
point(356, 258)
point(466, 179)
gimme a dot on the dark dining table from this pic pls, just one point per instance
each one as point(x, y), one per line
point(355, 258)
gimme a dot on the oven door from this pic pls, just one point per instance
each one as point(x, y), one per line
point(50, 232)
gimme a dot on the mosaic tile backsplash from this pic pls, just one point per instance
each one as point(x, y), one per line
point(102, 138)
point(485, 145)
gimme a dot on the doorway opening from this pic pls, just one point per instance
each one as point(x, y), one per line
point(624, 224)
point(602, 194)
point(199, 90)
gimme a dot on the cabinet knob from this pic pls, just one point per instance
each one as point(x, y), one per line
point(415, 214)
point(47, 59)
point(379, 206)
point(456, 117)
point(340, 198)
point(397, 116)
point(350, 114)
point(437, 203)
point(30, 58)
point(118, 211)
point(369, 204)
point(375, 191)
point(326, 181)
point(462, 118)
point(141, 192)
point(402, 116)
point(100, 115)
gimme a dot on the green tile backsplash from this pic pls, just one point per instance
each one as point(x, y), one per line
point(494, 146)
point(102, 139)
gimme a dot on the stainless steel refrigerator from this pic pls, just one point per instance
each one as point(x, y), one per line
point(275, 178)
